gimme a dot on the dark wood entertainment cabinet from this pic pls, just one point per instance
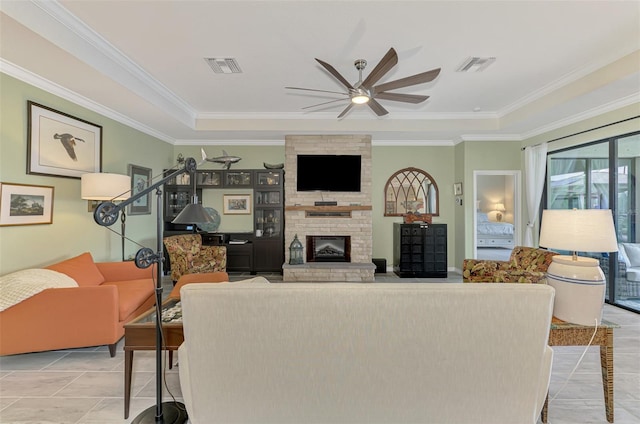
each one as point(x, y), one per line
point(264, 250)
point(420, 250)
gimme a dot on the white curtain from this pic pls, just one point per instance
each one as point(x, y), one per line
point(535, 163)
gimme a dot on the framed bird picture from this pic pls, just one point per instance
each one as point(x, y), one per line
point(60, 144)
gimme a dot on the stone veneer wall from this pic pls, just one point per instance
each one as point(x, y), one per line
point(358, 225)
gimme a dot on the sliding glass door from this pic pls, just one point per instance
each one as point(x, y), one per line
point(602, 175)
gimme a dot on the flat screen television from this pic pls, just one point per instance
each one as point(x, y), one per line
point(329, 172)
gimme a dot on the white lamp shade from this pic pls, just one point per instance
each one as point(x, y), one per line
point(578, 230)
point(105, 186)
point(500, 207)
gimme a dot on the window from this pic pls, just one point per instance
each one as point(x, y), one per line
point(602, 175)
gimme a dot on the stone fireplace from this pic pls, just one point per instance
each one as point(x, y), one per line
point(348, 218)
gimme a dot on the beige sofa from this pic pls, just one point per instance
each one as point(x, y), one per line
point(365, 352)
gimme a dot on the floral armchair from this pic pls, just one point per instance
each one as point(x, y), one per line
point(187, 255)
point(526, 265)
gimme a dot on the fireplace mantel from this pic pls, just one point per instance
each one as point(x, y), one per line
point(328, 208)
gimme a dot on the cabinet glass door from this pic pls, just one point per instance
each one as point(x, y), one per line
point(237, 179)
point(209, 178)
point(268, 198)
point(268, 222)
point(268, 178)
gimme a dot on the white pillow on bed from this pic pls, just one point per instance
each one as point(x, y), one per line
point(482, 217)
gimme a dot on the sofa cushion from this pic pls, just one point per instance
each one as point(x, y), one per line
point(633, 275)
point(632, 252)
point(82, 268)
point(131, 294)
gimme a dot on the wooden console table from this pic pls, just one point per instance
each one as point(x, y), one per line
point(567, 334)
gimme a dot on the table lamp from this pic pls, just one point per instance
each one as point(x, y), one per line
point(499, 208)
point(579, 282)
point(106, 186)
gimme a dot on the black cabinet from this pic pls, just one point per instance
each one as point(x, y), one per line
point(420, 250)
point(240, 257)
point(264, 250)
point(268, 245)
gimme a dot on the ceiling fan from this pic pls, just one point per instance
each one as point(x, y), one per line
point(365, 92)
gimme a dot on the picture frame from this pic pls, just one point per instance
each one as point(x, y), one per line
point(236, 204)
point(457, 189)
point(140, 179)
point(24, 204)
point(61, 145)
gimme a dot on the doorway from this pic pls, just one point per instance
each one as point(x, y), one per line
point(496, 220)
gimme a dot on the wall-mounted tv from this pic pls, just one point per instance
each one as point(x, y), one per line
point(329, 172)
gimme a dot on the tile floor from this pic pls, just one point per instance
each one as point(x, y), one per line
point(86, 385)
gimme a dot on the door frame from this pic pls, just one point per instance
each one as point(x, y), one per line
point(517, 207)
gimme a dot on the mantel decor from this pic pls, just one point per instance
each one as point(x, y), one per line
point(22, 204)
point(61, 145)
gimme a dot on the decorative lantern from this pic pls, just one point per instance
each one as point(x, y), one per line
point(295, 252)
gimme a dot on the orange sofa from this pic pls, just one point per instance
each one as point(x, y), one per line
point(108, 295)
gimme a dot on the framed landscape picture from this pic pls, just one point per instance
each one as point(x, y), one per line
point(237, 204)
point(22, 204)
point(140, 179)
point(61, 145)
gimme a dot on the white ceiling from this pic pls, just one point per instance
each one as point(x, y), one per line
point(142, 63)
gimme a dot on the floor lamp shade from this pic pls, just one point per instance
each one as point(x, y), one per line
point(105, 186)
point(579, 282)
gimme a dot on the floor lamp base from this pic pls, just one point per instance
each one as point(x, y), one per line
point(172, 413)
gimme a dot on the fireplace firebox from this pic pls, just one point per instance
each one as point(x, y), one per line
point(328, 248)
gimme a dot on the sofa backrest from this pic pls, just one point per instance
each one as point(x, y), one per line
point(525, 258)
point(365, 352)
point(81, 268)
point(183, 243)
point(629, 253)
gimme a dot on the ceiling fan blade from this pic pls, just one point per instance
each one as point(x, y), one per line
point(399, 97)
point(320, 91)
point(347, 109)
point(377, 107)
point(325, 103)
point(406, 82)
point(386, 63)
point(335, 73)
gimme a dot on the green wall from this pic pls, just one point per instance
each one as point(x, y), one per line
point(482, 156)
point(437, 162)
point(73, 230)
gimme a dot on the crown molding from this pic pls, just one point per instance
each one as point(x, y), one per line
point(53, 21)
point(37, 81)
point(567, 79)
point(591, 113)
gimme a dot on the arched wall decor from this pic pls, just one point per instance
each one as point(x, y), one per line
point(411, 190)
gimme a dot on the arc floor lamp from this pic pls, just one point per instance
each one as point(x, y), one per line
point(106, 214)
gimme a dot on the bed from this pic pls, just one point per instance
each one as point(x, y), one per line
point(492, 233)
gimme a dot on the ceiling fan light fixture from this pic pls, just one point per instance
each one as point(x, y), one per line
point(360, 99)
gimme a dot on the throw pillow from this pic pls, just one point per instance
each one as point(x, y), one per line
point(632, 251)
point(483, 217)
point(82, 268)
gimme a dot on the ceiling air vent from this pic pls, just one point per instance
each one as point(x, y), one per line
point(225, 65)
point(475, 64)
